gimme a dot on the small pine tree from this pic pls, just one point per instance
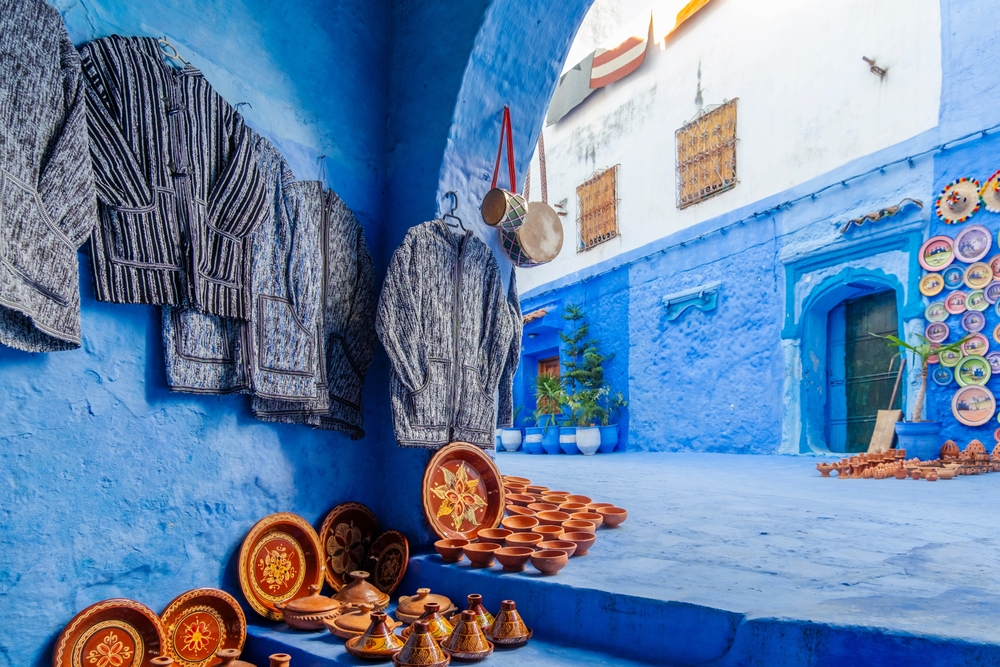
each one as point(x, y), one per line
point(583, 364)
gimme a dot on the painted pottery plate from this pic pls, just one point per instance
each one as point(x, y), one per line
point(936, 253)
point(936, 312)
point(279, 560)
point(976, 301)
point(954, 303)
point(346, 535)
point(996, 435)
point(978, 276)
point(977, 345)
point(973, 370)
point(994, 359)
point(117, 632)
point(995, 266)
point(937, 332)
point(933, 359)
point(462, 492)
point(973, 405)
point(973, 322)
point(954, 276)
point(932, 284)
point(950, 358)
point(996, 333)
point(972, 244)
point(387, 561)
point(992, 291)
point(942, 376)
point(199, 623)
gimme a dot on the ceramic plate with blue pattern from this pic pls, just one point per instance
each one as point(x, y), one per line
point(942, 376)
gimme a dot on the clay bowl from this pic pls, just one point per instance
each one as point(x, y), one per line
point(613, 516)
point(548, 532)
point(514, 559)
point(480, 555)
point(553, 498)
point(946, 473)
point(493, 536)
point(580, 499)
point(520, 499)
point(519, 524)
point(534, 488)
point(582, 540)
point(570, 508)
point(552, 518)
point(592, 517)
point(593, 507)
point(523, 540)
point(519, 511)
point(558, 493)
point(514, 489)
point(511, 479)
point(550, 561)
point(558, 545)
point(543, 507)
point(577, 526)
point(451, 550)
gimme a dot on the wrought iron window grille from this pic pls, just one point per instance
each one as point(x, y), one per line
point(706, 154)
point(597, 209)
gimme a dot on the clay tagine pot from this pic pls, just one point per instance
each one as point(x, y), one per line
point(548, 532)
point(359, 591)
point(582, 540)
point(421, 649)
point(437, 625)
point(523, 540)
point(308, 613)
point(559, 545)
point(515, 510)
point(519, 524)
point(230, 657)
point(475, 605)
point(613, 516)
point(549, 561)
point(508, 627)
point(480, 554)
point(467, 642)
point(493, 535)
point(451, 550)
point(353, 621)
point(592, 517)
point(577, 526)
point(377, 642)
point(552, 518)
point(411, 607)
point(280, 660)
point(513, 559)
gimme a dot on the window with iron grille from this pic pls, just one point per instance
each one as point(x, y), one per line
point(706, 155)
point(597, 208)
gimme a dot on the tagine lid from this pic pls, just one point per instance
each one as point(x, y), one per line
point(413, 605)
point(359, 591)
point(356, 619)
point(314, 603)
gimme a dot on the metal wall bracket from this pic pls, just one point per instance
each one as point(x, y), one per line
point(704, 298)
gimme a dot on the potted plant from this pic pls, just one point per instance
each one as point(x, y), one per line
point(586, 411)
point(510, 436)
point(609, 423)
point(920, 437)
point(583, 381)
point(551, 401)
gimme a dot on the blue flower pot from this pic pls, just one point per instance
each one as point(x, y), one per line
point(609, 439)
point(919, 439)
point(550, 440)
point(532, 440)
point(567, 440)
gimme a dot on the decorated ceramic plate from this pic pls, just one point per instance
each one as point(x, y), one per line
point(995, 266)
point(936, 253)
point(972, 244)
point(934, 359)
point(936, 312)
point(279, 560)
point(954, 303)
point(973, 370)
point(973, 405)
point(932, 284)
point(954, 277)
point(118, 632)
point(973, 321)
point(977, 345)
point(996, 333)
point(199, 623)
point(950, 358)
point(462, 492)
point(346, 535)
point(978, 275)
point(992, 291)
point(942, 376)
point(937, 332)
point(976, 301)
point(387, 560)
point(996, 435)
point(994, 359)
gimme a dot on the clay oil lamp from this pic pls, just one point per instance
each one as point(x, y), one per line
point(593, 507)
point(613, 516)
point(354, 621)
point(279, 660)
point(592, 517)
point(480, 554)
point(824, 468)
point(583, 542)
point(549, 561)
point(308, 613)
point(359, 591)
point(560, 545)
point(230, 657)
point(548, 532)
point(411, 607)
point(520, 524)
point(579, 499)
point(552, 518)
point(437, 625)
point(421, 649)
point(508, 627)
point(467, 642)
point(577, 526)
point(517, 510)
point(520, 499)
point(377, 642)
point(493, 535)
point(475, 605)
point(451, 550)
point(523, 540)
point(542, 507)
point(513, 559)
point(540, 490)
point(511, 479)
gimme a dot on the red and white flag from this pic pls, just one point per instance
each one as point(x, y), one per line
point(619, 61)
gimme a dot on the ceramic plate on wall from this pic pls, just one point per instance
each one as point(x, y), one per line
point(932, 284)
point(934, 359)
point(972, 244)
point(936, 253)
point(199, 623)
point(994, 359)
point(954, 277)
point(973, 370)
point(973, 321)
point(937, 332)
point(992, 291)
point(978, 275)
point(973, 405)
point(950, 358)
point(954, 303)
point(936, 312)
point(279, 560)
point(976, 301)
point(118, 632)
point(346, 535)
point(387, 560)
point(942, 376)
point(995, 265)
point(462, 492)
point(977, 345)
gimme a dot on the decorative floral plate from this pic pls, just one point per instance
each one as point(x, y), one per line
point(942, 376)
point(973, 321)
point(199, 623)
point(977, 345)
point(954, 277)
point(279, 560)
point(936, 312)
point(973, 370)
point(932, 284)
point(937, 332)
point(387, 561)
point(346, 535)
point(462, 492)
point(936, 253)
point(976, 301)
point(978, 275)
point(994, 359)
point(972, 244)
point(954, 303)
point(950, 358)
point(115, 633)
point(973, 405)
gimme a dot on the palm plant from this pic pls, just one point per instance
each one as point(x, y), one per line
point(550, 400)
point(924, 350)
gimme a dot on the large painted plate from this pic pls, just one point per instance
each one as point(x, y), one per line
point(387, 561)
point(973, 321)
point(954, 303)
point(976, 345)
point(280, 559)
point(973, 405)
point(936, 312)
point(937, 332)
point(117, 632)
point(994, 359)
point(954, 277)
point(201, 622)
point(936, 253)
point(978, 275)
point(462, 492)
point(950, 358)
point(973, 370)
point(347, 534)
point(992, 291)
point(972, 244)
point(976, 301)
point(932, 284)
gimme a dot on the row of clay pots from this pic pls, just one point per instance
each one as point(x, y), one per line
point(229, 658)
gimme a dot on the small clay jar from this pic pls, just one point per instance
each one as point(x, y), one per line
point(308, 613)
point(280, 659)
point(359, 591)
point(421, 649)
point(508, 627)
point(467, 642)
point(411, 607)
point(377, 642)
point(475, 605)
point(230, 657)
point(437, 624)
point(916, 473)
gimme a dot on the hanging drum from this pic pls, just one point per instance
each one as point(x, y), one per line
point(540, 238)
point(501, 208)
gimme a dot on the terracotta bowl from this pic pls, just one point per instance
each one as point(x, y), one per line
point(493, 535)
point(553, 498)
point(534, 488)
point(548, 532)
point(480, 555)
point(577, 526)
point(558, 493)
point(521, 499)
point(550, 561)
point(580, 499)
point(552, 518)
point(524, 540)
point(570, 508)
point(451, 550)
point(519, 524)
point(514, 559)
point(511, 479)
point(593, 507)
point(519, 511)
point(582, 540)
point(613, 516)
point(592, 517)
point(559, 545)
point(543, 507)
point(514, 488)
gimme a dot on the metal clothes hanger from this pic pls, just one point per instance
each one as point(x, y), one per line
point(451, 213)
point(170, 51)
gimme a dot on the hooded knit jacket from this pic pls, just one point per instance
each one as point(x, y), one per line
point(178, 187)
point(446, 326)
point(47, 201)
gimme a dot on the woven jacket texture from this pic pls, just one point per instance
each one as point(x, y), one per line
point(505, 396)
point(178, 187)
point(445, 323)
point(47, 201)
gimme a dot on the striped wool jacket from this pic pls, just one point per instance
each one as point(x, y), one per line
point(47, 202)
point(178, 188)
point(445, 323)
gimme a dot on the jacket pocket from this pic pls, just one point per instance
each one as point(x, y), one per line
point(284, 344)
point(221, 257)
point(200, 337)
point(143, 237)
point(344, 381)
point(429, 403)
point(475, 406)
